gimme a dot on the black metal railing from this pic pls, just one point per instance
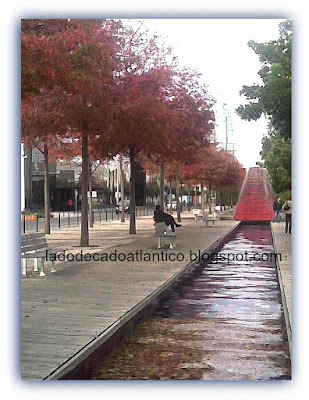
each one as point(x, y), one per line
point(66, 219)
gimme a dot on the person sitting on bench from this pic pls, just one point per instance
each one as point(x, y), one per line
point(160, 216)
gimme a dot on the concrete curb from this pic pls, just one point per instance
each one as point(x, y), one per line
point(283, 296)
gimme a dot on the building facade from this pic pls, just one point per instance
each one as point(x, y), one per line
point(65, 182)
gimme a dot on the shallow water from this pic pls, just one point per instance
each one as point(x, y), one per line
point(226, 323)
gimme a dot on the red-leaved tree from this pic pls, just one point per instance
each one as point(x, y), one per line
point(76, 59)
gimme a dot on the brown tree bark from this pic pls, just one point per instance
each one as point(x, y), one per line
point(46, 191)
point(202, 198)
point(188, 198)
point(180, 194)
point(90, 197)
point(84, 238)
point(122, 180)
point(132, 194)
point(177, 195)
point(209, 199)
point(171, 199)
point(162, 185)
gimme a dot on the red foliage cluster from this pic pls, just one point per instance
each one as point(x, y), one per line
point(98, 88)
point(212, 167)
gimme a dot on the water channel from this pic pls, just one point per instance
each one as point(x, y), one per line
point(224, 323)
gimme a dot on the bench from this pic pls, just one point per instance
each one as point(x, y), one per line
point(207, 218)
point(210, 219)
point(198, 214)
point(161, 232)
point(34, 246)
point(199, 217)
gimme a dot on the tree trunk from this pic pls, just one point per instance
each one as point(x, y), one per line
point(46, 191)
point(181, 202)
point(220, 199)
point(132, 194)
point(177, 195)
point(202, 198)
point(90, 197)
point(209, 199)
point(171, 199)
point(188, 198)
point(84, 238)
point(113, 189)
point(162, 185)
point(122, 179)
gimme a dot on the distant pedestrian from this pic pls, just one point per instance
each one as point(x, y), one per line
point(160, 216)
point(70, 203)
point(287, 207)
point(277, 207)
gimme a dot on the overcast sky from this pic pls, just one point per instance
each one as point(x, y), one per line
point(218, 49)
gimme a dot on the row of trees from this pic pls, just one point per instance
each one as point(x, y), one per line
point(273, 99)
point(211, 167)
point(99, 89)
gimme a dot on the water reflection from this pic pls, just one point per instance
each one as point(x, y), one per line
point(225, 324)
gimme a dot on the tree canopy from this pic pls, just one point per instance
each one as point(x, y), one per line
point(273, 96)
point(276, 153)
point(98, 88)
point(273, 99)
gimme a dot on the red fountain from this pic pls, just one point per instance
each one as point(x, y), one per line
point(256, 198)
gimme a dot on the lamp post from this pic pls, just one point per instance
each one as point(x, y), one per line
point(226, 137)
point(227, 121)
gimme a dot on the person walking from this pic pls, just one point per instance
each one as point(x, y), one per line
point(277, 207)
point(287, 208)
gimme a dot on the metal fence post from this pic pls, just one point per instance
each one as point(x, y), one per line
point(37, 223)
point(24, 223)
point(59, 221)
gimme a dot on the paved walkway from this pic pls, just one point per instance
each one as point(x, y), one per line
point(283, 245)
point(62, 312)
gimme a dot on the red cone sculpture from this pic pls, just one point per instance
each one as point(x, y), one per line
point(256, 198)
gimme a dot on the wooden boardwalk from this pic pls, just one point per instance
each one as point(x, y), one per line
point(63, 312)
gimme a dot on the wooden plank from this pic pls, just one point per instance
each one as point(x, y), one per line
point(32, 235)
point(33, 247)
point(47, 340)
point(26, 240)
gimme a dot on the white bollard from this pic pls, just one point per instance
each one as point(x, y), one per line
point(24, 267)
point(35, 265)
point(42, 273)
point(52, 268)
